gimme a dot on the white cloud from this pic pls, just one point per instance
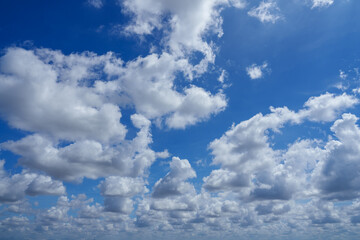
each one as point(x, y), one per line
point(14, 188)
point(197, 105)
point(327, 107)
point(342, 75)
point(250, 166)
point(122, 186)
point(149, 82)
point(267, 11)
point(64, 96)
point(96, 3)
point(222, 76)
point(321, 3)
point(118, 192)
point(50, 99)
point(255, 71)
point(188, 22)
point(173, 184)
point(337, 174)
point(86, 158)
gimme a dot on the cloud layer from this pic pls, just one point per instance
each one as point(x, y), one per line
point(86, 121)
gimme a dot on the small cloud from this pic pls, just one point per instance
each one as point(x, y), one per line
point(342, 75)
point(222, 76)
point(356, 90)
point(321, 3)
point(341, 86)
point(266, 12)
point(96, 3)
point(255, 72)
point(238, 3)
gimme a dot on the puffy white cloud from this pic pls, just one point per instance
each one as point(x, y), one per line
point(77, 97)
point(327, 107)
point(173, 184)
point(188, 21)
point(255, 72)
point(196, 106)
point(250, 165)
point(36, 97)
point(321, 3)
point(222, 179)
point(14, 188)
point(86, 158)
point(44, 185)
point(267, 11)
point(118, 192)
point(149, 84)
point(337, 175)
point(63, 97)
point(122, 186)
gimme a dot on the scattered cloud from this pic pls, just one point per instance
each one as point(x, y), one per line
point(96, 116)
point(267, 11)
point(256, 71)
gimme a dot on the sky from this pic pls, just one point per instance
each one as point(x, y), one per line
point(167, 119)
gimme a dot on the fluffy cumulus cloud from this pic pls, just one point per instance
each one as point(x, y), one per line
point(252, 184)
point(87, 116)
point(173, 184)
point(85, 158)
point(256, 71)
point(188, 21)
point(337, 175)
point(118, 192)
point(252, 167)
point(51, 99)
point(267, 11)
point(71, 102)
point(14, 188)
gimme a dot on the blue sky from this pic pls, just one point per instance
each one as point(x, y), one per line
point(165, 119)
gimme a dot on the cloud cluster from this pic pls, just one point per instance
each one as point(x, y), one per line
point(257, 188)
point(14, 188)
point(70, 107)
point(253, 168)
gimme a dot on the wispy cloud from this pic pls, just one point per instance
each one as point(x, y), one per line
point(267, 11)
point(321, 3)
point(96, 3)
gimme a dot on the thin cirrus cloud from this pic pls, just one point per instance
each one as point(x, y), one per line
point(101, 135)
point(321, 3)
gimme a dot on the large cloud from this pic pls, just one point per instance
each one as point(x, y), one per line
point(85, 158)
point(73, 97)
point(337, 175)
point(252, 167)
point(188, 22)
point(14, 188)
point(50, 99)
